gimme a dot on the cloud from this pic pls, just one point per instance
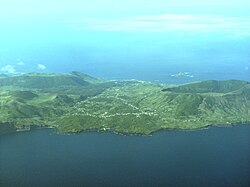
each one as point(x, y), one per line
point(20, 62)
point(9, 69)
point(41, 66)
point(165, 23)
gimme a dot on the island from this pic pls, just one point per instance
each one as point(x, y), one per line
point(75, 102)
point(183, 74)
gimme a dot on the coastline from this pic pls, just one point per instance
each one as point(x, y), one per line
point(10, 129)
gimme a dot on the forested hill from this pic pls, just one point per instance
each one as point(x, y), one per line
point(76, 102)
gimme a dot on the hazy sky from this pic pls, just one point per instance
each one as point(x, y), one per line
point(105, 8)
point(34, 18)
point(79, 33)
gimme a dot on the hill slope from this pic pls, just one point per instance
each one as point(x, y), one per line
point(77, 102)
point(45, 81)
point(210, 86)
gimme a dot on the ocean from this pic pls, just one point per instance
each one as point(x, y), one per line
point(212, 157)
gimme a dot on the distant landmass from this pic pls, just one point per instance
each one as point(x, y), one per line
point(77, 102)
point(183, 74)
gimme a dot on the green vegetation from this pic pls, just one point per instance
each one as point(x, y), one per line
point(76, 102)
point(210, 86)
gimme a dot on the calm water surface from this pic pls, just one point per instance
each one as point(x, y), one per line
point(212, 157)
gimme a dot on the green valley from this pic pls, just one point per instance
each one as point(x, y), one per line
point(76, 102)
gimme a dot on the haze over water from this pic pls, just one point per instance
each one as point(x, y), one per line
point(123, 40)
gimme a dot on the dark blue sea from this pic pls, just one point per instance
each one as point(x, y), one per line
point(211, 157)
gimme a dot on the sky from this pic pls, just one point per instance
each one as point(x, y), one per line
point(112, 8)
point(100, 36)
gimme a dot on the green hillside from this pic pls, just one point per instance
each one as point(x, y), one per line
point(76, 102)
point(26, 95)
point(210, 86)
point(45, 81)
